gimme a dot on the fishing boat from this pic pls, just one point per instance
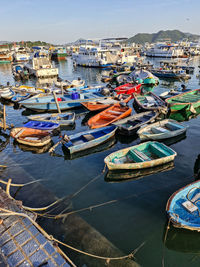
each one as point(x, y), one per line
point(63, 119)
point(128, 88)
point(183, 207)
point(171, 74)
point(86, 89)
point(88, 139)
point(149, 101)
point(106, 103)
point(188, 101)
point(145, 155)
point(131, 124)
point(30, 137)
point(109, 115)
point(47, 103)
point(162, 130)
point(41, 125)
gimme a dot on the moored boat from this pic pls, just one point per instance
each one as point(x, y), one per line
point(47, 103)
point(183, 207)
point(109, 115)
point(106, 103)
point(63, 119)
point(188, 101)
point(131, 124)
point(128, 88)
point(145, 155)
point(161, 130)
point(30, 137)
point(88, 139)
point(41, 125)
point(149, 101)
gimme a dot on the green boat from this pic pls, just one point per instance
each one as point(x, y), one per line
point(188, 101)
point(145, 155)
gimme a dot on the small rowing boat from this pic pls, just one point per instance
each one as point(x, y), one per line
point(188, 101)
point(128, 88)
point(145, 155)
point(161, 130)
point(88, 139)
point(63, 119)
point(109, 115)
point(183, 207)
point(30, 137)
point(42, 125)
point(149, 101)
point(106, 103)
point(131, 124)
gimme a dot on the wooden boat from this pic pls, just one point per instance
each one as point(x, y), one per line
point(109, 115)
point(188, 101)
point(131, 124)
point(173, 92)
point(30, 137)
point(63, 119)
point(145, 155)
point(88, 139)
point(47, 103)
point(170, 74)
point(106, 103)
point(85, 89)
point(42, 125)
point(183, 207)
point(128, 88)
point(161, 130)
point(149, 101)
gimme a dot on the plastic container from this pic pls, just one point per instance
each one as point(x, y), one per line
point(75, 95)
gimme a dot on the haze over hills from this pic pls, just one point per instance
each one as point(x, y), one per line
point(173, 35)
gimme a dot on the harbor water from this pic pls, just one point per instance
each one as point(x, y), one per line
point(134, 210)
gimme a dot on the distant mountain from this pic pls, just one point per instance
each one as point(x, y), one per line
point(173, 36)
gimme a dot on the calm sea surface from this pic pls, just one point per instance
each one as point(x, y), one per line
point(139, 215)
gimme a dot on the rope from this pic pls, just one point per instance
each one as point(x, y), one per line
point(28, 208)
point(51, 238)
point(21, 185)
point(3, 166)
point(165, 238)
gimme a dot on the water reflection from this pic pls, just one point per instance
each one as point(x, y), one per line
point(32, 149)
point(4, 140)
point(182, 240)
point(124, 176)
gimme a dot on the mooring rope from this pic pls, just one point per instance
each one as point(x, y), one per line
point(165, 238)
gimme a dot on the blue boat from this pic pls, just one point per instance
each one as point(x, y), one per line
point(41, 125)
point(47, 103)
point(183, 207)
point(88, 139)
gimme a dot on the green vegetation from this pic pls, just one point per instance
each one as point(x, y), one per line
point(28, 43)
point(173, 36)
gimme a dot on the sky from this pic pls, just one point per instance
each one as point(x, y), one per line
point(63, 21)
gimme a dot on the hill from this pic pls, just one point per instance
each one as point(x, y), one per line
point(173, 35)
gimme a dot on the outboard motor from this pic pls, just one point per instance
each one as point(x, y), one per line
point(105, 91)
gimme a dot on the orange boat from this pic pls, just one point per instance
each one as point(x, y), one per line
point(106, 103)
point(110, 115)
point(31, 137)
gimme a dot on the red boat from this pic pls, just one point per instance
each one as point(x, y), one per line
point(128, 88)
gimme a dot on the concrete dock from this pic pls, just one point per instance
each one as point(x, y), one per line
point(21, 243)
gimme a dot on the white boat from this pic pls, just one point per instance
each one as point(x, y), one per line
point(163, 50)
point(161, 130)
point(90, 56)
point(21, 55)
point(40, 66)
